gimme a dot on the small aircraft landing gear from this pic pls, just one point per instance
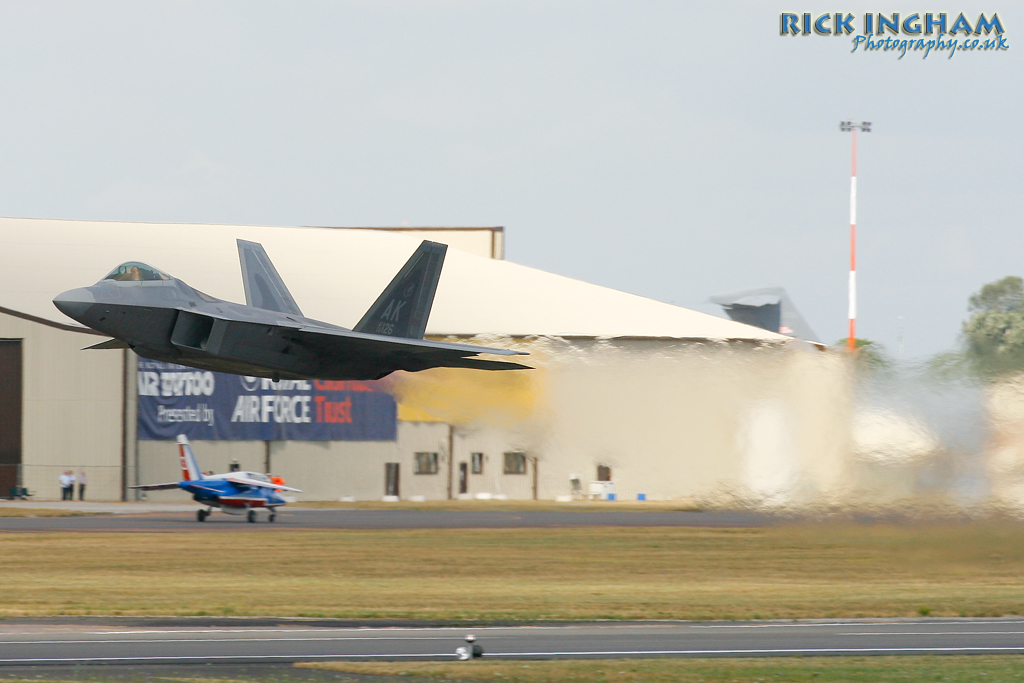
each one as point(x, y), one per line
point(201, 515)
point(251, 516)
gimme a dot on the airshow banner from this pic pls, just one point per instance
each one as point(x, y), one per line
point(202, 405)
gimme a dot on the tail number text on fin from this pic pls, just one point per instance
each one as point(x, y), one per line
point(390, 317)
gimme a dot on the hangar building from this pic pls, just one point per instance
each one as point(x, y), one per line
point(631, 397)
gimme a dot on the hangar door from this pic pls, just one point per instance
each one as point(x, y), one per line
point(10, 414)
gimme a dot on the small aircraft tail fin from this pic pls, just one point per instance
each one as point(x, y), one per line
point(403, 308)
point(264, 288)
point(189, 468)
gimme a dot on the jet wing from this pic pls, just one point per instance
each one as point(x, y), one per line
point(196, 485)
point(404, 353)
point(245, 481)
point(155, 487)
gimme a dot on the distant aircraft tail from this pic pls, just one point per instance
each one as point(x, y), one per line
point(264, 288)
point(403, 308)
point(189, 468)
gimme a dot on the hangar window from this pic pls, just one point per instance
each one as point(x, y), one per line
point(426, 463)
point(135, 271)
point(515, 463)
point(478, 463)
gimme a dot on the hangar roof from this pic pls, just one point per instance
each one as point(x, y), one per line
point(334, 275)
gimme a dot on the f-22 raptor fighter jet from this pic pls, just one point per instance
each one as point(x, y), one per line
point(164, 319)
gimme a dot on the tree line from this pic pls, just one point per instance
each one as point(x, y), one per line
point(992, 337)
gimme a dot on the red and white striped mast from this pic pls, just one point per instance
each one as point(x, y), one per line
point(853, 127)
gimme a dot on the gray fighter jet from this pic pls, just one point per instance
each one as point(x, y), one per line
point(164, 319)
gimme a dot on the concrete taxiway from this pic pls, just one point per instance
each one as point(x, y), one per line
point(131, 517)
point(183, 641)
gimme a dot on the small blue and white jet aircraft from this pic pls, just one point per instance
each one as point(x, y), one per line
point(236, 493)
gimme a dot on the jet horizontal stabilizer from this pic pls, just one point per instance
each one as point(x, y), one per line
point(481, 364)
point(109, 344)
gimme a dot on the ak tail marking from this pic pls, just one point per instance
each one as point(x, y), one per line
point(403, 308)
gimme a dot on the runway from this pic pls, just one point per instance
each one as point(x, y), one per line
point(182, 518)
point(137, 642)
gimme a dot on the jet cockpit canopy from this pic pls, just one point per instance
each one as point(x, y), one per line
point(136, 271)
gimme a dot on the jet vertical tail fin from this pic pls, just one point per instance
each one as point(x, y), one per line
point(264, 288)
point(189, 468)
point(403, 308)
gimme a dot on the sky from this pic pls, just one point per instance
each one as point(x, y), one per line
point(673, 149)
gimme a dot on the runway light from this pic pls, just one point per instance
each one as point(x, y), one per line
point(472, 651)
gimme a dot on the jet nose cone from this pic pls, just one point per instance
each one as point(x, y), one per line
point(74, 303)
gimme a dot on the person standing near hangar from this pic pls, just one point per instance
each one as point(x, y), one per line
point(67, 485)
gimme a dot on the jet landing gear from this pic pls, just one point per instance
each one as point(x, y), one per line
point(272, 517)
point(251, 516)
point(201, 515)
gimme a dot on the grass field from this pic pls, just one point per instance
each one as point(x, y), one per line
point(954, 669)
point(948, 669)
point(523, 574)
